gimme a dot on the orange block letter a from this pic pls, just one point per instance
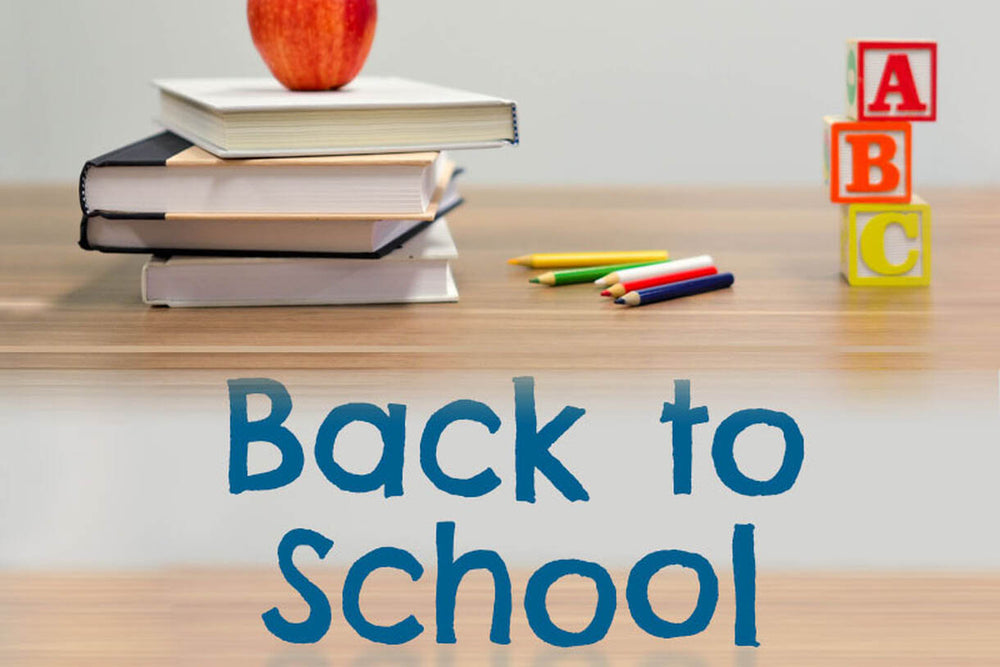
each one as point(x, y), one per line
point(863, 161)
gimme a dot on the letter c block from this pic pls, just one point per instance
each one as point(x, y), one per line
point(886, 245)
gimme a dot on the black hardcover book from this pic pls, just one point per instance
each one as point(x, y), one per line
point(166, 177)
point(228, 238)
point(141, 171)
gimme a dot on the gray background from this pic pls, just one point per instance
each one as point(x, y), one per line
point(630, 91)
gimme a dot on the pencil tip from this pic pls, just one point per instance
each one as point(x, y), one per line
point(606, 292)
point(513, 261)
point(535, 280)
point(620, 301)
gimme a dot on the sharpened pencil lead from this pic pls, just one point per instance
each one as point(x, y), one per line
point(535, 280)
point(620, 301)
point(606, 293)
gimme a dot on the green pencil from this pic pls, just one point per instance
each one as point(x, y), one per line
point(586, 275)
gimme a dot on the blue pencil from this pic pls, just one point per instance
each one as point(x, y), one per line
point(676, 290)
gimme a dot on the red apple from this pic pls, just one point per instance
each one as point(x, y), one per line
point(313, 44)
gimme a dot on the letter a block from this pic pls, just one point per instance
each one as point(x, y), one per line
point(868, 162)
point(886, 244)
point(891, 80)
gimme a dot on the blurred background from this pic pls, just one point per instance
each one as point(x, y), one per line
point(129, 470)
point(626, 92)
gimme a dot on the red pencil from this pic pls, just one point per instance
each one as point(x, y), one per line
point(623, 288)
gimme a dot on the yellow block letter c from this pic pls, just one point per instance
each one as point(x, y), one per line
point(873, 242)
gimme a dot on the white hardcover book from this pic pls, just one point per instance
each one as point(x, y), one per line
point(260, 118)
point(418, 272)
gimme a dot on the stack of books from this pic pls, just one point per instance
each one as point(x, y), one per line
point(257, 195)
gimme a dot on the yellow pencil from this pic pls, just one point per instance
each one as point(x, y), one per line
point(563, 260)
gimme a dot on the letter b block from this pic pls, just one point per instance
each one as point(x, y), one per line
point(886, 245)
point(891, 80)
point(868, 162)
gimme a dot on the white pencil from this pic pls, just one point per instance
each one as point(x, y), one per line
point(655, 270)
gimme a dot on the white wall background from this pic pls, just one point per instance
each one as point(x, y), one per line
point(629, 91)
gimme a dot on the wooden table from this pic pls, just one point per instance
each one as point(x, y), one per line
point(62, 309)
point(213, 617)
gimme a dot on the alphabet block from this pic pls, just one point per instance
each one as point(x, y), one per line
point(892, 80)
point(868, 162)
point(886, 244)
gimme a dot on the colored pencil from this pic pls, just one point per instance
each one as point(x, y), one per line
point(624, 288)
point(676, 290)
point(652, 270)
point(586, 275)
point(569, 260)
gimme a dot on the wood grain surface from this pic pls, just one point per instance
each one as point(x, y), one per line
point(63, 308)
point(212, 617)
point(67, 310)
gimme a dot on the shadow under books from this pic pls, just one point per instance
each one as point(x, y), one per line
point(114, 285)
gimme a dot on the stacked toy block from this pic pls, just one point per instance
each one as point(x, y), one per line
point(885, 228)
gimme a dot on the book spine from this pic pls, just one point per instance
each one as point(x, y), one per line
point(152, 151)
point(514, 121)
point(143, 281)
point(83, 188)
point(84, 242)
